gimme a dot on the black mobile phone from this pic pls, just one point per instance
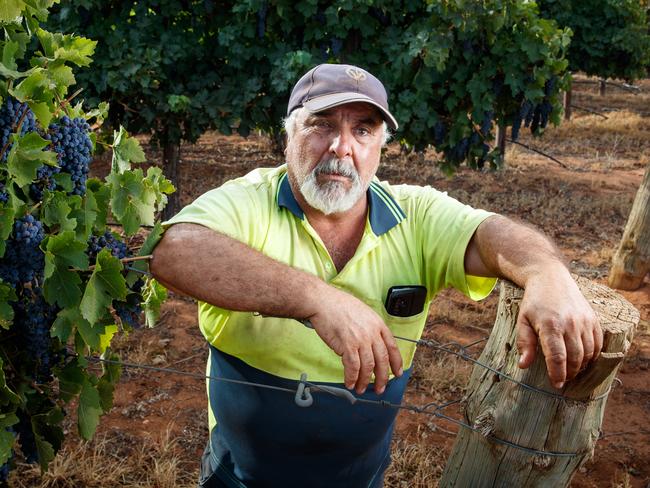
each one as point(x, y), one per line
point(405, 300)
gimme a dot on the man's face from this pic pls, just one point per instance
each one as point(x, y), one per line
point(333, 155)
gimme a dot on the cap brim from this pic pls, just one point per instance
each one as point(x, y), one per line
point(324, 102)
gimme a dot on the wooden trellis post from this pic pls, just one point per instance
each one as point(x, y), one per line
point(632, 259)
point(531, 438)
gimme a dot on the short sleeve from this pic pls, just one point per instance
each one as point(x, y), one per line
point(446, 227)
point(233, 209)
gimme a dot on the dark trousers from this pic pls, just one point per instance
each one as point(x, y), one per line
point(209, 479)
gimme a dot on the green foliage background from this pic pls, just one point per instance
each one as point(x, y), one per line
point(179, 68)
point(611, 38)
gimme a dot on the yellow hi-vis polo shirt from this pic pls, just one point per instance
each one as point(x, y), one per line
point(413, 236)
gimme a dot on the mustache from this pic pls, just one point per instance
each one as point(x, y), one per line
point(335, 166)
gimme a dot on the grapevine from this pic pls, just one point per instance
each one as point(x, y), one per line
point(64, 290)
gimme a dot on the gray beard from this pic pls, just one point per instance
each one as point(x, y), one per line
point(332, 197)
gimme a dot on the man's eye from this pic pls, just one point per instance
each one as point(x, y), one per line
point(362, 131)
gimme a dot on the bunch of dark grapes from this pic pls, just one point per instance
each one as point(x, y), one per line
point(23, 260)
point(10, 113)
point(534, 116)
point(109, 241)
point(486, 123)
point(72, 144)
point(130, 311)
point(34, 317)
point(439, 132)
point(524, 114)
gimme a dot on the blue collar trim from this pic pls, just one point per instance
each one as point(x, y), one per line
point(286, 198)
point(385, 213)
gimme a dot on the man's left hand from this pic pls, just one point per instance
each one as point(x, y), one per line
point(554, 313)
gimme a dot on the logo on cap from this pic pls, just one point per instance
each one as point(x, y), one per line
point(355, 73)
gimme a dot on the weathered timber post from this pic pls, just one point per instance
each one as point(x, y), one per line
point(501, 140)
point(567, 103)
point(602, 87)
point(529, 438)
point(632, 259)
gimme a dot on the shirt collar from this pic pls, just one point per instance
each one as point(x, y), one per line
point(385, 213)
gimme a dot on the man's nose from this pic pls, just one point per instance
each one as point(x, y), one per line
point(342, 144)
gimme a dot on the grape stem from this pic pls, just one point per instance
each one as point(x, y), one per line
point(123, 260)
point(65, 102)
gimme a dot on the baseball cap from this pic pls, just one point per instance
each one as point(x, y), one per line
point(331, 85)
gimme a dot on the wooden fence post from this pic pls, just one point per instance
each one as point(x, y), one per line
point(632, 259)
point(501, 140)
point(530, 438)
point(567, 103)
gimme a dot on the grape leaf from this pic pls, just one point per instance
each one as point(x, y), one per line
point(71, 379)
point(105, 284)
point(106, 337)
point(7, 214)
point(69, 319)
point(61, 285)
point(7, 440)
point(68, 249)
point(152, 239)
point(102, 195)
point(10, 10)
point(7, 396)
point(7, 294)
point(9, 51)
point(127, 200)
point(48, 435)
point(153, 294)
point(107, 382)
point(42, 112)
point(126, 150)
point(26, 156)
point(56, 207)
point(86, 216)
point(89, 410)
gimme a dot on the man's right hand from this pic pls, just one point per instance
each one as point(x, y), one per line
point(356, 333)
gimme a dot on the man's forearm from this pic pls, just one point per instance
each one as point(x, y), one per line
point(514, 251)
point(553, 312)
point(222, 271)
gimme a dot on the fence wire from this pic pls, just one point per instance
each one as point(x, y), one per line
point(304, 388)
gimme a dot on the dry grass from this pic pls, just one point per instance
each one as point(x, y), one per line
point(414, 464)
point(114, 460)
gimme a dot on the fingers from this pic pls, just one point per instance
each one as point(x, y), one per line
point(367, 366)
point(575, 351)
point(555, 353)
point(589, 347)
point(526, 344)
point(394, 354)
point(381, 358)
point(351, 367)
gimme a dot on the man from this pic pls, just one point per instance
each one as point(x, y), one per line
point(321, 239)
